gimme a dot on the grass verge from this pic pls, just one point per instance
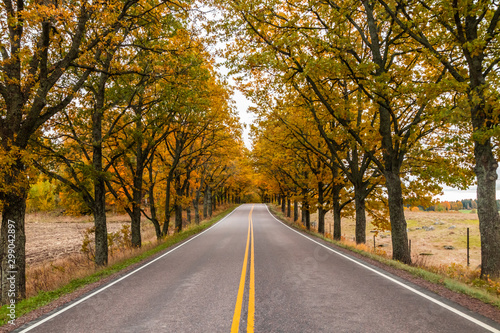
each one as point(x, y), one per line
point(45, 297)
point(452, 284)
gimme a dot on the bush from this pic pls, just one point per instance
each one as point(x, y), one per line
point(41, 197)
point(118, 240)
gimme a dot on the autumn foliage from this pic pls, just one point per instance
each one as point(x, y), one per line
point(373, 104)
point(113, 105)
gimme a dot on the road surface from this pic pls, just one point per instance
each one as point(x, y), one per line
point(250, 272)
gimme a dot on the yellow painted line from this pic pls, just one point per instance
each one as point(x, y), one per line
point(239, 299)
point(251, 296)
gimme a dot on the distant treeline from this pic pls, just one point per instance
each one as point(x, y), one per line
point(451, 205)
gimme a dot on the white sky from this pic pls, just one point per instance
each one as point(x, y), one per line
point(241, 102)
point(246, 118)
point(450, 194)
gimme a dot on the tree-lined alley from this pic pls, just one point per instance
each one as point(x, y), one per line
point(373, 102)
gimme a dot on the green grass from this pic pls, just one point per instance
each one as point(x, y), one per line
point(474, 241)
point(43, 298)
point(443, 280)
point(470, 222)
point(412, 223)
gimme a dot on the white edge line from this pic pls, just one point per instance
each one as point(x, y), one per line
point(120, 279)
point(452, 309)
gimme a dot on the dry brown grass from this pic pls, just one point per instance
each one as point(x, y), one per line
point(55, 274)
point(56, 217)
point(55, 266)
point(426, 246)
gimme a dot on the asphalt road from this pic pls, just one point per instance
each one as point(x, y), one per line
point(214, 283)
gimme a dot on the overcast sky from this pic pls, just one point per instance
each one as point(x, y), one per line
point(246, 118)
point(242, 103)
point(451, 194)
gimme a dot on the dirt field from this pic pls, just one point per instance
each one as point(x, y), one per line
point(50, 237)
point(428, 245)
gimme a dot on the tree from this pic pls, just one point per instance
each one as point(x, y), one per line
point(328, 50)
point(43, 57)
point(466, 48)
point(157, 96)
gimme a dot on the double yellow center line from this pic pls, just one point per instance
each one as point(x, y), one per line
point(251, 290)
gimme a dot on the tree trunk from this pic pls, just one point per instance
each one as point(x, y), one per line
point(178, 218)
point(337, 225)
point(283, 204)
point(196, 206)
point(321, 211)
point(135, 229)
point(13, 240)
point(152, 205)
point(101, 233)
point(486, 165)
point(489, 220)
point(167, 206)
point(189, 194)
point(178, 203)
point(295, 210)
point(307, 216)
point(392, 153)
point(359, 201)
point(336, 190)
point(392, 164)
point(321, 220)
point(209, 203)
point(400, 249)
point(288, 208)
point(205, 202)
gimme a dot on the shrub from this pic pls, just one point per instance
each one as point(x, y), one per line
point(117, 241)
point(41, 197)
